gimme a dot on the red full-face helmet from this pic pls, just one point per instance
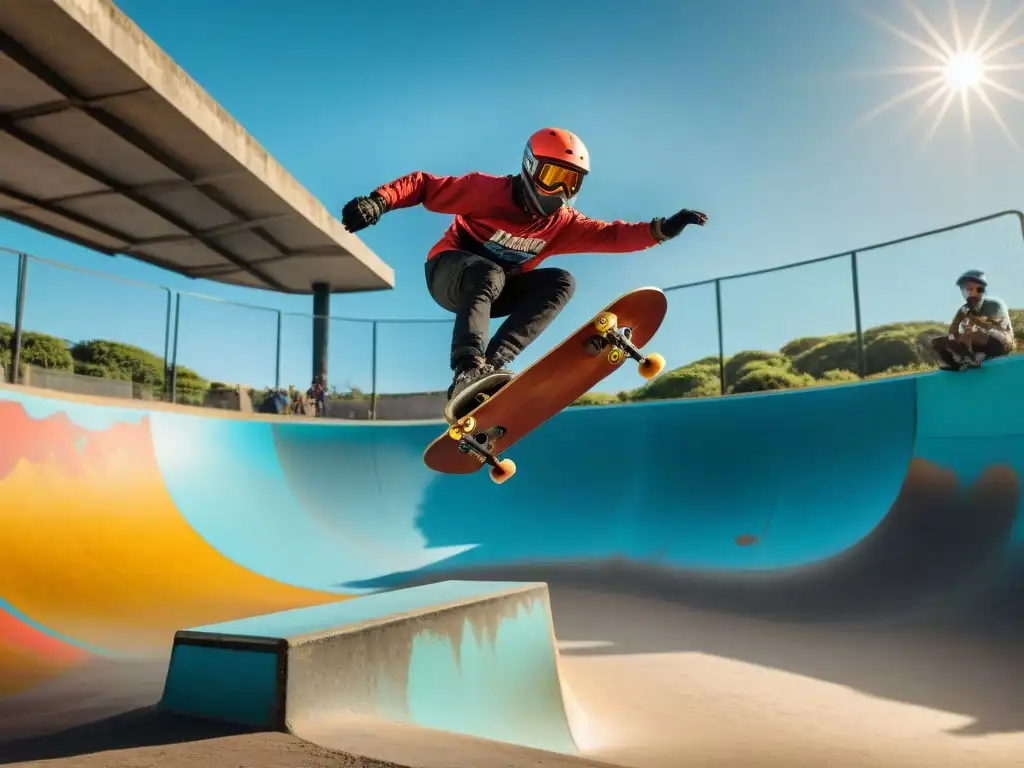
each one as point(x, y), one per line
point(554, 164)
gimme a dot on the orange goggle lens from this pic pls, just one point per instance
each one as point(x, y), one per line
point(551, 178)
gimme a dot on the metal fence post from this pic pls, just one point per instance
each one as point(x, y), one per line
point(721, 342)
point(174, 351)
point(277, 366)
point(167, 342)
point(373, 373)
point(861, 363)
point(19, 316)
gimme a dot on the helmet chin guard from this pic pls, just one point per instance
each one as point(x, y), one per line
point(555, 163)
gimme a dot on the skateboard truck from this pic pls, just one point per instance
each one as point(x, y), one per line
point(481, 445)
point(619, 339)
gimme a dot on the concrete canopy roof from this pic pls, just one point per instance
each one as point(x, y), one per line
point(106, 142)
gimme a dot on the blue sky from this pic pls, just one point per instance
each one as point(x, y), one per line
point(745, 109)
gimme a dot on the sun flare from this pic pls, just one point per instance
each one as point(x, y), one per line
point(963, 68)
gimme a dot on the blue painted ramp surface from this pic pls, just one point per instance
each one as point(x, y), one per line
point(836, 501)
point(476, 658)
point(682, 482)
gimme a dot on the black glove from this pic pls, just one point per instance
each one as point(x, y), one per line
point(362, 212)
point(666, 229)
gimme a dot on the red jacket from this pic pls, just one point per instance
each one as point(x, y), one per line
point(488, 221)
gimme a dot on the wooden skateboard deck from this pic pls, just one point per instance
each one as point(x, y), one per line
point(550, 385)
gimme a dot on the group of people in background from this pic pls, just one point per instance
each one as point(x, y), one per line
point(291, 401)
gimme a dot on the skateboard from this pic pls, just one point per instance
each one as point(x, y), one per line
point(505, 410)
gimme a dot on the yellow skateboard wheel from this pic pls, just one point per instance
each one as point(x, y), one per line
point(462, 427)
point(605, 322)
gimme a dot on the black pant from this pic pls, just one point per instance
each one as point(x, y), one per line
point(477, 289)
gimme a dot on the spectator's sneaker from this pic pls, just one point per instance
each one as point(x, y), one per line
point(960, 364)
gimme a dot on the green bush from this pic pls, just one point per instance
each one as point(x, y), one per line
point(777, 362)
point(834, 353)
point(99, 372)
point(38, 349)
point(837, 376)
point(688, 381)
point(799, 346)
point(910, 328)
point(766, 379)
point(735, 363)
point(597, 398)
point(709, 360)
point(903, 370)
point(891, 349)
point(191, 389)
point(128, 362)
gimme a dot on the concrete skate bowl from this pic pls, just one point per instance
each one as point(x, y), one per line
point(853, 551)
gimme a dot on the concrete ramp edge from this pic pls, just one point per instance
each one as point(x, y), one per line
point(477, 658)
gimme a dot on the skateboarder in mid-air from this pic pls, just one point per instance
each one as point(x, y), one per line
point(981, 328)
point(486, 264)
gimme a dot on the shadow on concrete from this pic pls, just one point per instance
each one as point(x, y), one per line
point(949, 669)
point(919, 611)
point(145, 727)
point(937, 544)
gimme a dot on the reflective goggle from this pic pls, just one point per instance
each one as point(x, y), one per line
point(550, 178)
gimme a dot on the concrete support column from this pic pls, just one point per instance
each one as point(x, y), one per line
point(321, 310)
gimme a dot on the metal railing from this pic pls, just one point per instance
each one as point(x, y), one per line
point(854, 280)
point(174, 310)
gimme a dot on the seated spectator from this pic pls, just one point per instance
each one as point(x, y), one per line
point(319, 395)
point(980, 330)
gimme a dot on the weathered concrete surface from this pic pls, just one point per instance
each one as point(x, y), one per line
point(476, 658)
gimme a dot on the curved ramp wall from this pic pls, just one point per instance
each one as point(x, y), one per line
point(124, 524)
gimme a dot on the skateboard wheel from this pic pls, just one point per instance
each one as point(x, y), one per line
point(652, 366)
point(616, 356)
point(461, 428)
point(605, 322)
point(505, 469)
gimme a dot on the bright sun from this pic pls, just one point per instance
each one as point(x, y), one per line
point(964, 70)
point(968, 66)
